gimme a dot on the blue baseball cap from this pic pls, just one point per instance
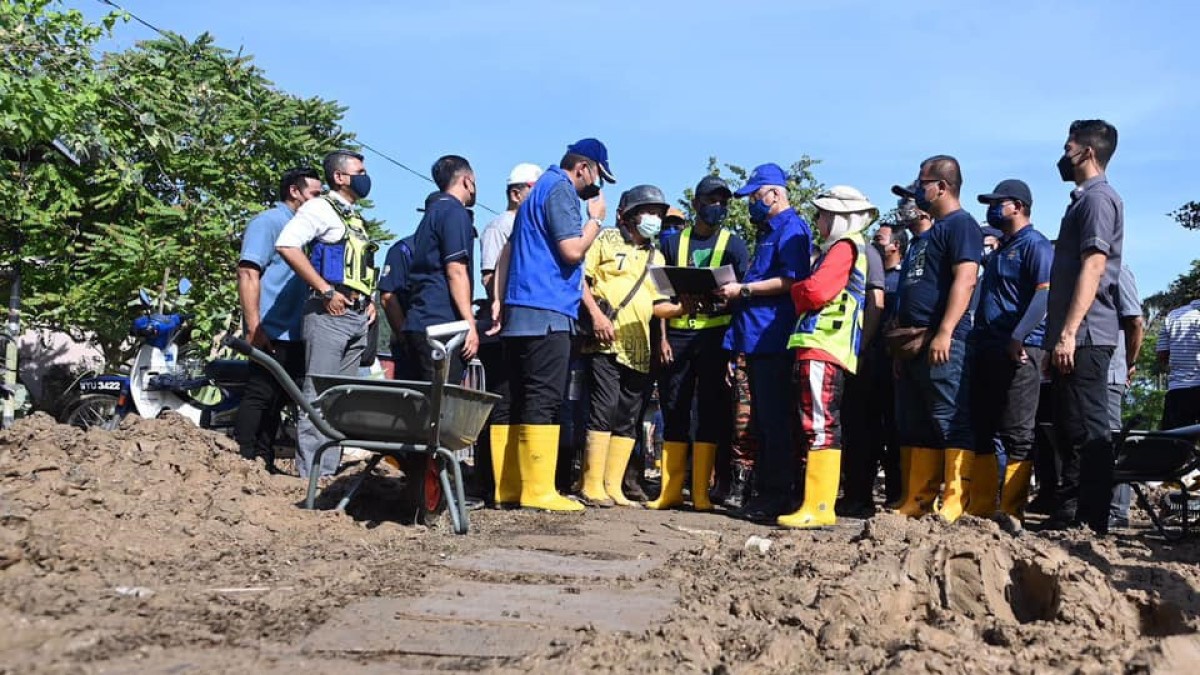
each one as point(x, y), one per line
point(762, 176)
point(595, 151)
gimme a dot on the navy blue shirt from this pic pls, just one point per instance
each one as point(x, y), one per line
point(396, 267)
point(891, 297)
point(762, 324)
point(445, 235)
point(928, 271)
point(1017, 270)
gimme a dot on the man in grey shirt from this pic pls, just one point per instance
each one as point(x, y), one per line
point(1120, 373)
point(1082, 326)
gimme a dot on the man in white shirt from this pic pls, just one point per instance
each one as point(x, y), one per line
point(341, 273)
point(1179, 351)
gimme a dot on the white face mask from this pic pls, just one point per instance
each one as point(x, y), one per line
point(649, 226)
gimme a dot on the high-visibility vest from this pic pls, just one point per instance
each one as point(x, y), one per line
point(836, 328)
point(700, 321)
point(350, 261)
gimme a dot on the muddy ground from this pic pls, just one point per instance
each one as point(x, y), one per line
point(156, 549)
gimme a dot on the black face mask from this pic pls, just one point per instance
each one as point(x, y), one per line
point(590, 191)
point(1066, 168)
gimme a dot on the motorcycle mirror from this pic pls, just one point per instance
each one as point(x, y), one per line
point(185, 286)
point(144, 297)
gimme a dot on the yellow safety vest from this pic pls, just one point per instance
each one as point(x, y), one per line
point(836, 328)
point(351, 261)
point(700, 321)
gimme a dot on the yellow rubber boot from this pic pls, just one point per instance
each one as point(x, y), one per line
point(506, 467)
point(1015, 493)
point(704, 458)
point(674, 466)
point(595, 462)
point(905, 468)
point(537, 448)
point(619, 450)
point(985, 486)
point(956, 496)
point(924, 480)
point(820, 491)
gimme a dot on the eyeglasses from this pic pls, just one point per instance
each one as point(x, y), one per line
point(923, 181)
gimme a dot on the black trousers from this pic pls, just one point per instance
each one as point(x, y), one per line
point(869, 429)
point(415, 360)
point(772, 412)
point(699, 365)
point(1084, 439)
point(491, 355)
point(263, 401)
point(1005, 395)
point(616, 396)
point(1181, 408)
point(1045, 458)
point(538, 367)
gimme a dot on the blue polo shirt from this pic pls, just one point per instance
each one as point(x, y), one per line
point(1015, 271)
point(445, 235)
point(891, 286)
point(282, 294)
point(396, 265)
point(928, 271)
point(543, 290)
point(763, 324)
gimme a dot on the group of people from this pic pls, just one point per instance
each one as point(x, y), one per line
point(924, 349)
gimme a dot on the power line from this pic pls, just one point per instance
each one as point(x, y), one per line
point(397, 162)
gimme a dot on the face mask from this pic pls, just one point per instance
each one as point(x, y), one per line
point(988, 250)
point(714, 214)
point(880, 249)
point(360, 184)
point(759, 211)
point(1066, 167)
point(649, 226)
point(591, 190)
point(996, 217)
point(907, 211)
point(922, 202)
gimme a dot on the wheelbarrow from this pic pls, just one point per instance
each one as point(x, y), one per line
point(399, 419)
point(1158, 456)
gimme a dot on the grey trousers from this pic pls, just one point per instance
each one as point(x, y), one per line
point(1122, 494)
point(333, 346)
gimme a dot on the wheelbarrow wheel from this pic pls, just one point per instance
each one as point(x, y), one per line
point(424, 489)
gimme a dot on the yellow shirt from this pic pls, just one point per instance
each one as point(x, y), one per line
point(612, 266)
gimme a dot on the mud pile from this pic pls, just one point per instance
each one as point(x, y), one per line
point(908, 596)
point(159, 534)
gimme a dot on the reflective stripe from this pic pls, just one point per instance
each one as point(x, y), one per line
point(836, 328)
point(682, 259)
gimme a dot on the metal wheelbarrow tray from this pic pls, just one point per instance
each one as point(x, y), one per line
point(1158, 456)
point(393, 418)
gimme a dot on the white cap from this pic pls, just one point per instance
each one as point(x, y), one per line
point(524, 174)
point(843, 199)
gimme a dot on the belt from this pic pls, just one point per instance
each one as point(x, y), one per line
point(355, 300)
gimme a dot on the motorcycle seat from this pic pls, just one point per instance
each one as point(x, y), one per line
point(227, 372)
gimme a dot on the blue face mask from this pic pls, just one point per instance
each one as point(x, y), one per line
point(714, 214)
point(361, 185)
point(759, 212)
point(649, 226)
point(996, 217)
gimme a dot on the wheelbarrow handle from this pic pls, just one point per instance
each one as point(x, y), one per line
point(281, 376)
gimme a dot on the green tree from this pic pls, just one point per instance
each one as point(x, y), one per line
point(802, 186)
point(184, 141)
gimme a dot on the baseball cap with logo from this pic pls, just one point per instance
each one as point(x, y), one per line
point(595, 151)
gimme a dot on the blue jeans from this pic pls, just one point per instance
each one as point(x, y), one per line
point(933, 402)
point(771, 415)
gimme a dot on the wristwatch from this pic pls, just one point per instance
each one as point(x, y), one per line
point(327, 295)
point(745, 292)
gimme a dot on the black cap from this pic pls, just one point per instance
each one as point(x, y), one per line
point(710, 184)
point(989, 231)
point(1009, 189)
point(906, 191)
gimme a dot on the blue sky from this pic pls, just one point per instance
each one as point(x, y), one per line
point(869, 88)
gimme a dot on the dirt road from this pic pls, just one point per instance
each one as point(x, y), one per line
point(155, 549)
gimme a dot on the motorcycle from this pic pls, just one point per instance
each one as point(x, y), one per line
point(166, 375)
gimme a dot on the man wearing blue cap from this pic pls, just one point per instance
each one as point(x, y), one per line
point(762, 323)
point(1009, 325)
point(539, 285)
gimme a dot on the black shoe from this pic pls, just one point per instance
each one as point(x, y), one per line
point(765, 510)
point(1118, 522)
point(739, 488)
point(1059, 523)
point(633, 489)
